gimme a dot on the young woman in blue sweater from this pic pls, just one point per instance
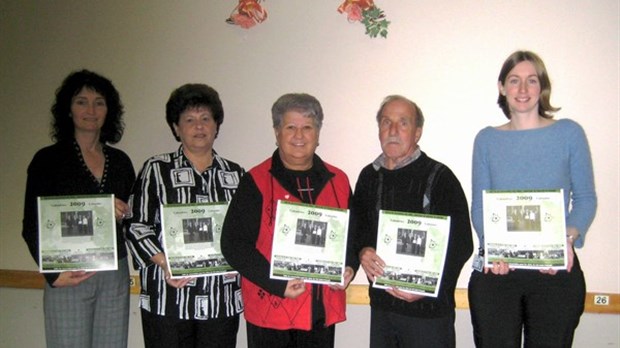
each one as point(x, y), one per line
point(530, 152)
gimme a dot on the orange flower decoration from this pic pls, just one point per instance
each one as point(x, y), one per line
point(247, 14)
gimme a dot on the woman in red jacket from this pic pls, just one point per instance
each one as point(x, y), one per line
point(283, 313)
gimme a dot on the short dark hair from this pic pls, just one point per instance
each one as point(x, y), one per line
point(62, 123)
point(190, 96)
point(544, 104)
point(303, 103)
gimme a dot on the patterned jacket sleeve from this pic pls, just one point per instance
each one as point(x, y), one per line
point(143, 236)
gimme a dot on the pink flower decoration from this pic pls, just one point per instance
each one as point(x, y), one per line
point(354, 8)
point(366, 12)
point(243, 21)
point(247, 14)
point(354, 12)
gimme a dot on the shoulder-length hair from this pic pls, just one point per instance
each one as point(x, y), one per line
point(62, 123)
point(544, 105)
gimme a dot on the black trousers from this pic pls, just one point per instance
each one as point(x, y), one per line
point(165, 332)
point(392, 330)
point(318, 337)
point(543, 309)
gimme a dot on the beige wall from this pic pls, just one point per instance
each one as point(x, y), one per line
point(443, 54)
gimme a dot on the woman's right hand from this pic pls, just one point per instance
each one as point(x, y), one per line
point(121, 210)
point(71, 278)
point(371, 263)
point(294, 288)
point(160, 260)
point(177, 283)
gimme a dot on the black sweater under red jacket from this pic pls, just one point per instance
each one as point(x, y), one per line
point(241, 226)
point(403, 190)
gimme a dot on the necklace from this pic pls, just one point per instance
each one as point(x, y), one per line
point(308, 189)
point(100, 184)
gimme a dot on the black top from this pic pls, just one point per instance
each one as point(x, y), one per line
point(403, 189)
point(58, 170)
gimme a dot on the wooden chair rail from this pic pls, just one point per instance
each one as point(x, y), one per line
point(356, 293)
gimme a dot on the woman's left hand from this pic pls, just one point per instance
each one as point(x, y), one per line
point(348, 277)
point(121, 209)
point(570, 258)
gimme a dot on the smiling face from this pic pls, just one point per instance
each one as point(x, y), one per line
point(88, 111)
point(297, 139)
point(522, 89)
point(398, 132)
point(196, 129)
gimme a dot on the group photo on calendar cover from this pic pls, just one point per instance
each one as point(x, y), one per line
point(77, 233)
point(309, 242)
point(525, 228)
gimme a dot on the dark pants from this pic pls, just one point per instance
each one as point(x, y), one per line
point(545, 309)
point(392, 330)
point(165, 332)
point(318, 337)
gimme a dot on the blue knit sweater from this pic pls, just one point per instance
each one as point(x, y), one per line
point(552, 157)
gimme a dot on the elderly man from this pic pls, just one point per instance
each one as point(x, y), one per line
point(403, 178)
